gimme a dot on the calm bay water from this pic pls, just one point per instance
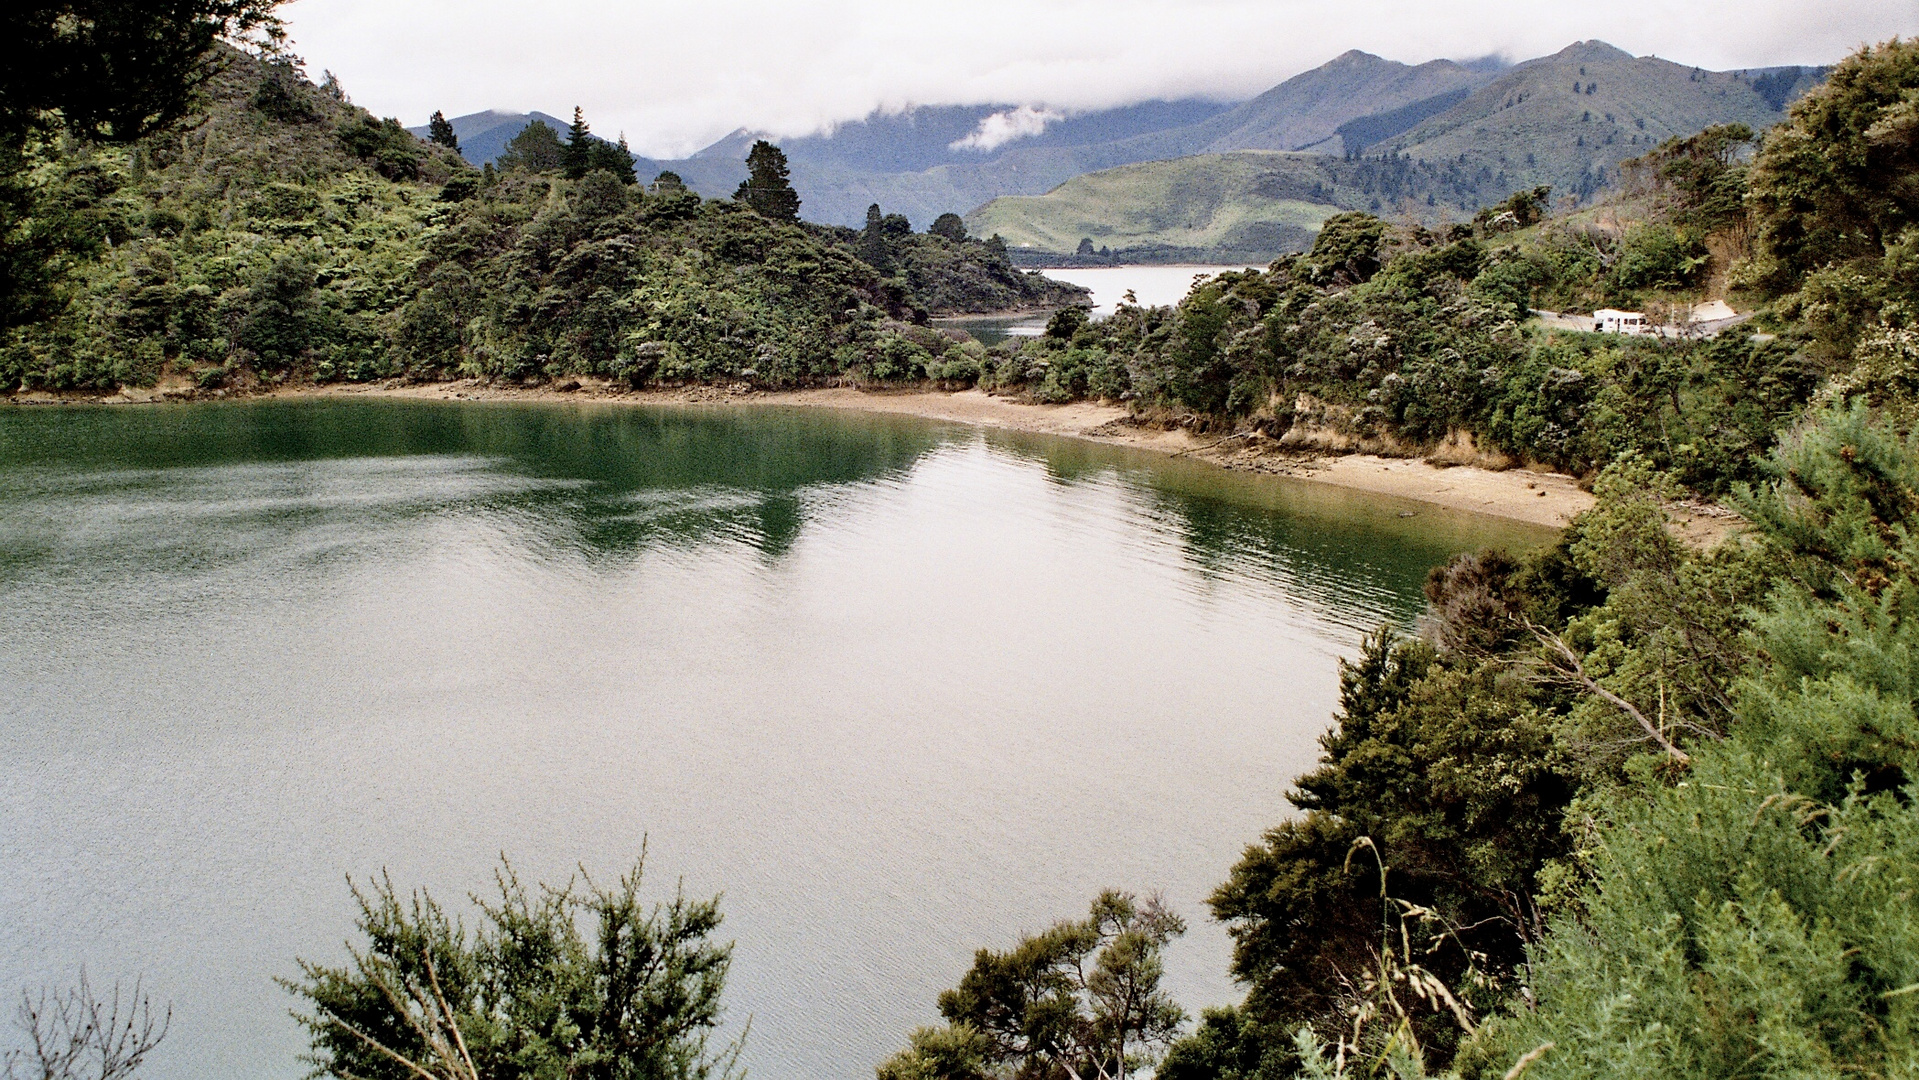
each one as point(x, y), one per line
point(898, 689)
point(1151, 286)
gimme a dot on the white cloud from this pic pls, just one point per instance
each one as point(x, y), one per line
point(1006, 125)
point(675, 75)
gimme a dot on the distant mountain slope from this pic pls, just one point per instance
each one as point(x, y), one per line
point(1305, 112)
point(1570, 118)
point(1252, 205)
point(1354, 136)
point(928, 137)
point(1566, 120)
point(483, 135)
point(907, 162)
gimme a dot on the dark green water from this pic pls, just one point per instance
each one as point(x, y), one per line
point(899, 689)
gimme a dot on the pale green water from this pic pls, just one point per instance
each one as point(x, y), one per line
point(899, 689)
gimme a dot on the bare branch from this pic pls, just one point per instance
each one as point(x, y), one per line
point(1531, 1056)
point(1575, 670)
point(76, 1036)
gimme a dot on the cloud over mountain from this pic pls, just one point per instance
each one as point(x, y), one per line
point(1003, 127)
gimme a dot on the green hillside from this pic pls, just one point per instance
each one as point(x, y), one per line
point(1570, 118)
point(1252, 204)
point(1248, 206)
point(285, 235)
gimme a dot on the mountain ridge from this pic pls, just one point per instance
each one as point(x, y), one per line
point(1568, 119)
point(483, 135)
point(1516, 125)
point(1565, 120)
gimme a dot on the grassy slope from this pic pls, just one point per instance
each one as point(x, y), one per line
point(1247, 202)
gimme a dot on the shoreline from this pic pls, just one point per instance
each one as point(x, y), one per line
point(1532, 496)
point(1545, 499)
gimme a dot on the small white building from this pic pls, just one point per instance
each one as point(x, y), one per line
point(1613, 321)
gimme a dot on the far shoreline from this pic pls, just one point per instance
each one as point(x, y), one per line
point(1545, 499)
point(1532, 496)
point(1540, 498)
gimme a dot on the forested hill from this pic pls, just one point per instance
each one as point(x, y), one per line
point(282, 233)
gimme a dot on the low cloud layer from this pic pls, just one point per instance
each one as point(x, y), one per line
point(673, 77)
point(1006, 125)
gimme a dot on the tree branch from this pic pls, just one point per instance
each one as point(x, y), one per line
point(1576, 670)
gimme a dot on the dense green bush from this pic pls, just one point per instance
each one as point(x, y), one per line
point(529, 994)
point(1658, 256)
point(946, 272)
point(1757, 916)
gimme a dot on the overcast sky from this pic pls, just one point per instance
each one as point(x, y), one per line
point(676, 74)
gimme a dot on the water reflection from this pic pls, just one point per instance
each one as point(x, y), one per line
point(991, 330)
point(1358, 558)
point(614, 479)
point(119, 489)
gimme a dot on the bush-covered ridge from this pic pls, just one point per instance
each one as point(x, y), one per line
point(1397, 338)
point(286, 234)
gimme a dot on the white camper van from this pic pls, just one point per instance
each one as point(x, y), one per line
point(1612, 321)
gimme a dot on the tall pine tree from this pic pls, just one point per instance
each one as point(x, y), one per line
point(577, 157)
point(614, 158)
point(873, 246)
point(439, 131)
point(766, 188)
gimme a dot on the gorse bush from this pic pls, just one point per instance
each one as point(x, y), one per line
point(1625, 809)
point(635, 996)
point(1758, 915)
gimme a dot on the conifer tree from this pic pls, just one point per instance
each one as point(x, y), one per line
point(537, 148)
point(616, 159)
point(625, 171)
point(766, 188)
point(577, 157)
point(440, 132)
point(873, 246)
